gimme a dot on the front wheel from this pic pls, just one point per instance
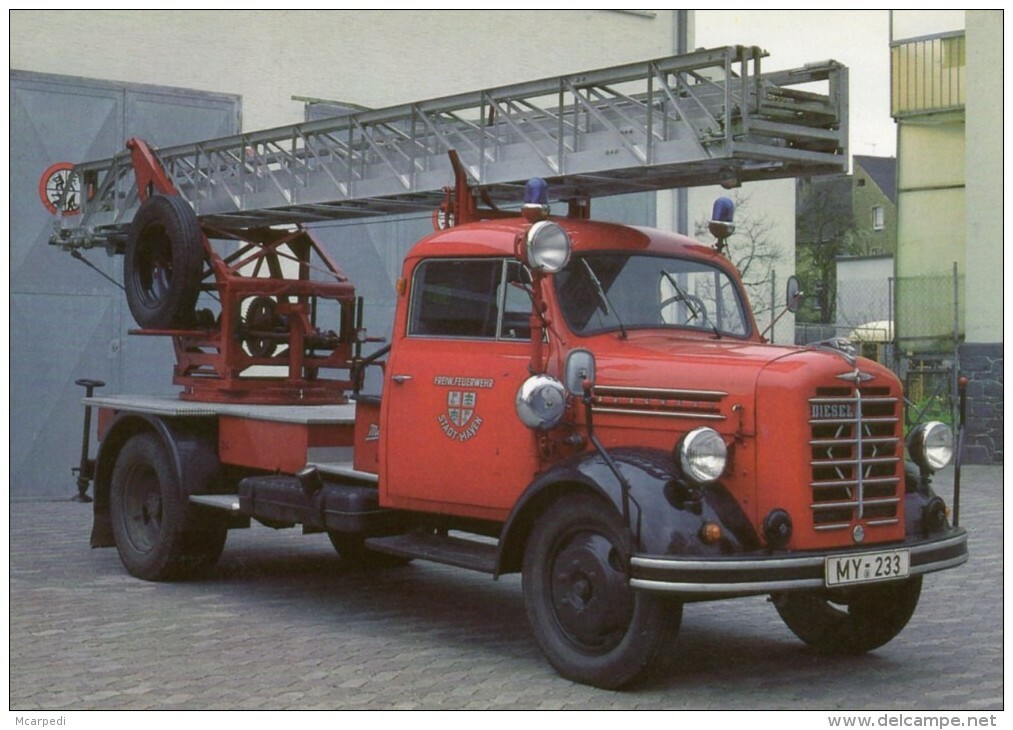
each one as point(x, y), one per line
point(850, 621)
point(591, 625)
point(155, 537)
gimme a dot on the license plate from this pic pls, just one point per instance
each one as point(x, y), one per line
point(867, 567)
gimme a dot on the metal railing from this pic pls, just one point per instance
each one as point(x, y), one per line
point(694, 119)
point(928, 74)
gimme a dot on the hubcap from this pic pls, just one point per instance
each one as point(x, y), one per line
point(154, 267)
point(143, 508)
point(591, 598)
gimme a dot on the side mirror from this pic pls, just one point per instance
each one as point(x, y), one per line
point(793, 295)
point(579, 369)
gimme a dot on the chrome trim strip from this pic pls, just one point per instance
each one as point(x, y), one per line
point(851, 421)
point(624, 390)
point(838, 505)
point(801, 563)
point(666, 414)
point(854, 482)
point(849, 399)
point(849, 442)
point(723, 588)
point(870, 460)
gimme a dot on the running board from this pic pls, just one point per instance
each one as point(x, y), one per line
point(456, 551)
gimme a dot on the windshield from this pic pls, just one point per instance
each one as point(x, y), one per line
point(618, 291)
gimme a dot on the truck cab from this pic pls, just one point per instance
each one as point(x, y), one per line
point(609, 401)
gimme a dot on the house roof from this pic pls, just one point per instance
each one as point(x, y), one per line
point(883, 171)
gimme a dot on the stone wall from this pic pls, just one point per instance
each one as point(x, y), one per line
point(981, 364)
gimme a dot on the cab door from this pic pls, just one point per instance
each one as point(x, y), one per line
point(452, 441)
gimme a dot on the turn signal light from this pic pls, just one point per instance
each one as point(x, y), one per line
point(710, 533)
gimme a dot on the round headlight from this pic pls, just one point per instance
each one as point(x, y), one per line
point(702, 455)
point(541, 402)
point(931, 445)
point(547, 247)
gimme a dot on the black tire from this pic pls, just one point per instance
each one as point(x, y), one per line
point(592, 626)
point(355, 554)
point(851, 621)
point(163, 263)
point(154, 536)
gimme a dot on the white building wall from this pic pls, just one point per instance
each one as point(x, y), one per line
point(984, 214)
point(372, 58)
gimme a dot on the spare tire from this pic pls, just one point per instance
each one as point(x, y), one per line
point(163, 263)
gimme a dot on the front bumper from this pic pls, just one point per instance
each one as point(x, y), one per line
point(760, 573)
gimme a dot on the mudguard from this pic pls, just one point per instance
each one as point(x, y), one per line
point(666, 514)
point(192, 447)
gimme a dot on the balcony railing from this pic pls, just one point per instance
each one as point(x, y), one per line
point(928, 74)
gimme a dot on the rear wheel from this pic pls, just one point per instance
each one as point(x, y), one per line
point(592, 626)
point(154, 536)
point(851, 621)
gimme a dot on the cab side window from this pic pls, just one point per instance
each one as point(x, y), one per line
point(468, 299)
point(516, 300)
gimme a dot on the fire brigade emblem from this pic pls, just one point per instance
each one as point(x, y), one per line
point(459, 421)
point(460, 407)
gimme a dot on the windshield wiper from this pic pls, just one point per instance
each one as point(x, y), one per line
point(606, 304)
point(680, 295)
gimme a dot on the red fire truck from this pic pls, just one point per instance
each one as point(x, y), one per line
point(589, 404)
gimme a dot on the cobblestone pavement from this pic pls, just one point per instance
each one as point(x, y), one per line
point(282, 624)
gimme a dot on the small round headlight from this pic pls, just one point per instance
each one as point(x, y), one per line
point(702, 455)
point(547, 247)
point(931, 445)
point(541, 402)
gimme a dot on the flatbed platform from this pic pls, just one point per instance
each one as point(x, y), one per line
point(172, 406)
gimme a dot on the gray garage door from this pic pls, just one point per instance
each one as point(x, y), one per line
point(67, 321)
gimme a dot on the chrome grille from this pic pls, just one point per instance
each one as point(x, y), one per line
point(855, 456)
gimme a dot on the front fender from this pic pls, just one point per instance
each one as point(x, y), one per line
point(666, 516)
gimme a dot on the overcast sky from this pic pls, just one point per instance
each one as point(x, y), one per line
point(860, 39)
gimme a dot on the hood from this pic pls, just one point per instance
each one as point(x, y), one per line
point(676, 362)
point(716, 375)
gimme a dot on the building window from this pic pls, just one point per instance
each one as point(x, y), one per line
point(878, 219)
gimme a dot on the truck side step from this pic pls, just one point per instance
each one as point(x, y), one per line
point(443, 549)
